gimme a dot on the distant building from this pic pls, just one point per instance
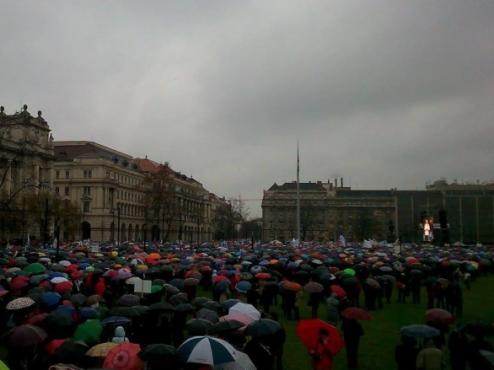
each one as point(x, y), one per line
point(108, 187)
point(457, 212)
point(26, 168)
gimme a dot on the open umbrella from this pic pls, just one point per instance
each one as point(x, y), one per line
point(438, 315)
point(207, 314)
point(243, 362)
point(478, 328)
point(101, 349)
point(160, 353)
point(226, 326)
point(419, 331)
point(19, 282)
point(198, 327)
point(243, 286)
point(124, 356)
point(24, 336)
point(262, 328)
point(309, 331)
point(349, 272)
point(244, 319)
point(179, 298)
point(356, 313)
point(207, 351)
point(245, 309)
point(338, 290)
point(489, 356)
point(34, 268)
point(129, 300)
point(291, 285)
point(115, 320)
point(313, 287)
point(20, 304)
point(161, 307)
point(89, 332)
point(263, 276)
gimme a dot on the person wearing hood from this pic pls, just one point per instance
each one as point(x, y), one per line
point(430, 357)
point(119, 335)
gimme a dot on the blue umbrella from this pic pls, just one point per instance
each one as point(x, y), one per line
point(419, 331)
point(50, 299)
point(243, 286)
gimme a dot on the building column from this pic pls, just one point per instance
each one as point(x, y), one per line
point(36, 178)
point(8, 178)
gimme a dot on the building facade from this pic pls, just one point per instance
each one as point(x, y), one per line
point(108, 187)
point(457, 212)
point(26, 168)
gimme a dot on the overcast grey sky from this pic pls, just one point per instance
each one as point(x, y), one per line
point(384, 93)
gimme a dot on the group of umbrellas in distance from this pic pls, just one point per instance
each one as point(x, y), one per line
point(67, 304)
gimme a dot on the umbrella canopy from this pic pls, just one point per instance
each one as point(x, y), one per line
point(115, 320)
point(291, 285)
point(263, 276)
point(262, 328)
point(478, 328)
point(309, 331)
point(489, 356)
point(245, 309)
point(226, 326)
point(89, 332)
point(24, 336)
point(20, 303)
point(207, 351)
point(101, 349)
point(349, 272)
point(34, 268)
point(338, 290)
point(419, 331)
point(124, 356)
point(161, 307)
point(438, 315)
point(198, 327)
point(207, 314)
point(356, 313)
point(243, 362)
point(129, 300)
point(243, 286)
point(159, 352)
point(244, 319)
point(313, 287)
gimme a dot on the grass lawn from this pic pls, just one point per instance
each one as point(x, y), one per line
point(382, 333)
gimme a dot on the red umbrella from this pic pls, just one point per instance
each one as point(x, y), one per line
point(63, 287)
point(439, 315)
point(263, 275)
point(124, 357)
point(338, 290)
point(25, 336)
point(19, 282)
point(219, 279)
point(308, 332)
point(356, 313)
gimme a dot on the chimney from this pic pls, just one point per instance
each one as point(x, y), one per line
point(341, 181)
point(335, 183)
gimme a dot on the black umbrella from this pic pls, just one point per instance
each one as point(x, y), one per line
point(78, 299)
point(198, 327)
point(115, 320)
point(129, 311)
point(262, 328)
point(478, 328)
point(226, 326)
point(200, 301)
point(161, 307)
point(213, 305)
point(161, 354)
point(207, 314)
point(59, 326)
point(183, 308)
point(179, 298)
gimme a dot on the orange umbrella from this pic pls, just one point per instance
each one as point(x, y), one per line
point(124, 357)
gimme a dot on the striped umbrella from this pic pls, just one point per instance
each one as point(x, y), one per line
point(207, 351)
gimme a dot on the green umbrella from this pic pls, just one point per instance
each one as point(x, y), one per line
point(349, 272)
point(34, 268)
point(156, 288)
point(89, 332)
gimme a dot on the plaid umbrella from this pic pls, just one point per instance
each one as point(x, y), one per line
point(124, 356)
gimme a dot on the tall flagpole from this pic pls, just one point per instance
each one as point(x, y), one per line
point(298, 195)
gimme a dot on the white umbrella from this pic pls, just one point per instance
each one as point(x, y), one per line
point(245, 309)
point(207, 351)
point(243, 363)
point(58, 280)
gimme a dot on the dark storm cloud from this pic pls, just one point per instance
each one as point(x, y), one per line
point(383, 93)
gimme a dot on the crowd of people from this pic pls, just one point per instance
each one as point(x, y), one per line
point(215, 306)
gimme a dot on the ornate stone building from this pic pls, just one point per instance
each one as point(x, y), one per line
point(108, 187)
point(26, 167)
point(458, 212)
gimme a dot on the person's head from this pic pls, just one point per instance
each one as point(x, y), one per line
point(120, 332)
point(429, 343)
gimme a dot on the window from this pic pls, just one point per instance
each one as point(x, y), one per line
point(86, 206)
point(67, 191)
point(87, 190)
point(57, 190)
point(67, 174)
point(57, 174)
point(88, 174)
